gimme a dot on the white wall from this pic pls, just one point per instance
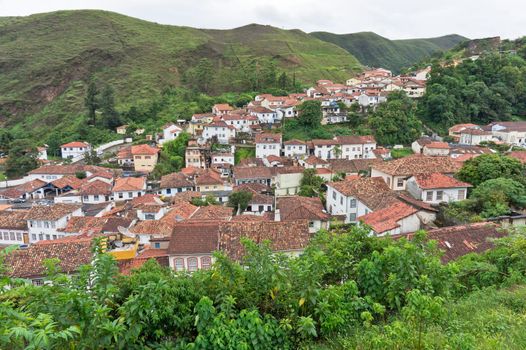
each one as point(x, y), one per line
point(263, 150)
point(339, 204)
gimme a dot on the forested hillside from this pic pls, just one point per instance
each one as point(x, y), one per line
point(47, 60)
point(374, 50)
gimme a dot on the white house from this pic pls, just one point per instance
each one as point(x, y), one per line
point(399, 218)
point(474, 136)
point(170, 132)
point(45, 221)
point(127, 188)
point(240, 122)
point(223, 158)
point(436, 187)
point(513, 133)
point(356, 147)
point(174, 183)
point(74, 149)
point(293, 148)
point(355, 198)
point(264, 115)
point(268, 145)
point(220, 130)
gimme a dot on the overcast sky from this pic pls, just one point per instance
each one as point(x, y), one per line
point(395, 19)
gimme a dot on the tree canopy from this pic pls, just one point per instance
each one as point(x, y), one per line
point(491, 166)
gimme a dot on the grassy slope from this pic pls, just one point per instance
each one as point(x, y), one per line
point(46, 59)
point(376, 51)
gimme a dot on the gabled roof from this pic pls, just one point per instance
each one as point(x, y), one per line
point(194, 238)
point(68, 181)
point(437, 145)
point(89, 225)
point(355, 140)
point(123, 184)
point(175, 180)
point(212, 212)
point(417, 164)
point(31, 186)
point(13, 220)
point(283, 236)
point(268, 138)
point(180, 211)
point(438, 180)
point(223, 107)
point(96, 187)
point(457, 241)
point(144, 150)
point(75, 144)
point(27, 263)
point(153, 227)
point(252, 172)
point(387, 218)
point(294, 142)
point(208, 177)
point(301, 208)
point(51, 212)
point(369, 190)
point(313, 160)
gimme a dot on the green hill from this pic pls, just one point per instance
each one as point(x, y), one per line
point(376, 51)
point(46, 60)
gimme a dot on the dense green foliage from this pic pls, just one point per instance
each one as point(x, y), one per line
point(311, 184)
point(490, 166)
point(345, 286)
point(374, 50)
point(239, 201)
point(488, 89)
point(172, 156)
point(395, 121)
point(309, 114)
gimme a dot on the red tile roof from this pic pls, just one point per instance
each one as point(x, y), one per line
point(123, 184)
point(417, 164)
point(372, 191)
point(68, 181)
point(295, 143)
point(181, 210)
point(209, 177)
point(28, 263)
point(456, 241)
point(144, 150)
point(268, 138)
point(13, 220)
point(194, 237)
point(75, 144)
point(175, 180)
point(301, 208)
point(212, 212)
point(387, 219)
point(96, 187)
point(51, 212)
point(520, 155)
point(437, 145)
point(153, 227)
point(355, 140)
point(438, 180)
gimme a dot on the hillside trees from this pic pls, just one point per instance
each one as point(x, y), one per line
point(395, 121)
point(491, 166)
point(90, 101)
point(22, 158)
point(172, 156)
point(310, 114)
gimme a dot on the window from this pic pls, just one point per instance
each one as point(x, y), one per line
point(48, 237)
point(179, 264)
point(33, 237)
point(352, 203)
point(206, 261)
point(147, 157)
point(149, 216)
point(461, 194)
point(429, 196)
point(40, 236)
point(440, 195)
point(157, 245)
point(261, 208)
point(54, 236)
point(121, 195)
point(19, 236)
point(400, 182)
point(192, 264)
point(12, 236)
point(352, 217)
point(341, 200)
point(334, 195)
point(85, 198)
point(130, 194)
point(96, 197)
point(311, 224)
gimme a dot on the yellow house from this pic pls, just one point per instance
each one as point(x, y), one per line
point(144, 157)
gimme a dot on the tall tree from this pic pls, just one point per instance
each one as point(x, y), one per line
point(22, 158)
point(310, 114)
point(90, 101)
point(110, 115)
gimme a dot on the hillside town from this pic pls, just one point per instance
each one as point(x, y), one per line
point(181, 219)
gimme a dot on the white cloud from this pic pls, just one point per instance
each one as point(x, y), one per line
point(393, 19)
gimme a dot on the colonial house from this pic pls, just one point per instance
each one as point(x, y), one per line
point(74, 149)
point(195, 155)
point(294, 148)
point(436, 148)
point(287, 180)
point(144, 157)
point(97, 191)
point(253, 175)
point(396, 172)
point(13, 227)
point(436, 187)
point(512, 133)
point(45, 221)
point(49, 173)
point(220, 131)
point(268, 145)
point(260, 204)
point(264, 115)
point(414, 88)
point(175, 183)
point(29, 263)
point(210, 183)
point(223, 158)
point(192, 245)
point(302, 208)
point(313, 162)
point(325, 149)
point(455, 131)
point(474, 136)
point(398, 218)
point(127, 188)
point(354, 147)
point(221, 109)
point(170, 132)
point(125, 157)
point(241, 122)
point(355, 198)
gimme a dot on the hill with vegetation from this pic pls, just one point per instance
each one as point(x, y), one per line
point(47, 60)
point(374, 50)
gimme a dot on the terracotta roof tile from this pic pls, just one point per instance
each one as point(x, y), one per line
point(387, 218)
point(268, 138)
point(68, 181)
point(194, 237)
point(212, 212)
point(301, 208)
point(175, 180)
point(129, 184)
point(144, 149)
point(75, 144)
point(417, 164)
point(438, 180)
point(51, 212)
point(13, 220)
